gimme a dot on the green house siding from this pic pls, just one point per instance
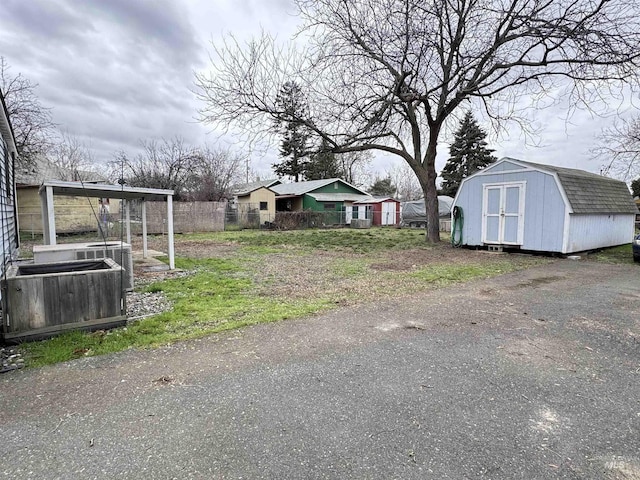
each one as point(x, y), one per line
point(333, 215)
point(310, 203)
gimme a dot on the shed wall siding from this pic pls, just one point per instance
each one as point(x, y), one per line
point(504, 167)
point(544, 208)
point(589, 232)
point(262, 195)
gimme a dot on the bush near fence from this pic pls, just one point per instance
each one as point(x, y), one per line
point(298, 220)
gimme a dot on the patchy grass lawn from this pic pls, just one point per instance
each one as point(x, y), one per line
point(617, 255)
point(247, 277)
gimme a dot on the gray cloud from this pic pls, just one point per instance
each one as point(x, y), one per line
point(45, 19)
point(114, 71)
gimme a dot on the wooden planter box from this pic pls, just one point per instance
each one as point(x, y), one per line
point(44, 299)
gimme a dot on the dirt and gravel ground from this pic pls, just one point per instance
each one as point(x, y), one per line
point(532, 374)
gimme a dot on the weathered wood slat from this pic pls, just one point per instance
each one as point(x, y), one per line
point(54, 302)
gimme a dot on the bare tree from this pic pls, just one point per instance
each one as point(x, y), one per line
point(354, 167)
point(165, 164)
point(31, 122)
point(195, 174)
point(214, 172)
point(389, 74)
point(72, 159)
point(407, 185)
point(620, 146)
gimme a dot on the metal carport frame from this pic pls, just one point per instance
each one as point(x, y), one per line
point(80, 189)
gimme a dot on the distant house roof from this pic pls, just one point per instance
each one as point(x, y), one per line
point(300, 188)
point(247, 188)
point(341, 197)
point(374, 199)
point(588, 192)
point(42, 170)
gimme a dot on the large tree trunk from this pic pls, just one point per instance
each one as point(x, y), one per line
point(427, 177)
point(428, 184)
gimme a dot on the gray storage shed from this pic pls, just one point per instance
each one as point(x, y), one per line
point(544, 208)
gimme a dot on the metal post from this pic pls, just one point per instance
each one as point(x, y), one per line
point(172, 264)
point(128, 220)
point(145, 251)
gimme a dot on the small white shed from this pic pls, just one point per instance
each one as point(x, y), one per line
point(517, 204)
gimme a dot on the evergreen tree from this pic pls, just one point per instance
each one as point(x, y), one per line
point(383, 187)
point(322, 165)
point(293, 106)
point(467, 154)
point(635, 187)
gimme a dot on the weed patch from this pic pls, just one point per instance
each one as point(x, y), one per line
point(616, 255)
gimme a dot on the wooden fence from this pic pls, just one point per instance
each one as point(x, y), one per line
point(187, 217)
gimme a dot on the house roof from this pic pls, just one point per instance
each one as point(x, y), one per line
point(247, 188)
point(340, 197)
point(300, 188)
point(587, 192)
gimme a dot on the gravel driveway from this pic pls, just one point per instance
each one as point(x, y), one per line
point(532, 375)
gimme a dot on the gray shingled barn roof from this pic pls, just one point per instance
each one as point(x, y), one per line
point(588, 192)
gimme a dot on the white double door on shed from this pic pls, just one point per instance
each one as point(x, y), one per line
point(388, 213)
point(503, 213)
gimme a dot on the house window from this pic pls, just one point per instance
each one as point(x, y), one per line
point(335, 185)
point(354, 212)
point(329, 206)
point(263, 206)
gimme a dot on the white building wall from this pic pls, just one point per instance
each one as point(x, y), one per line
point(591, 231)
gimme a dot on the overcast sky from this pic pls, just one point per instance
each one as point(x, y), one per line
point(118, 71)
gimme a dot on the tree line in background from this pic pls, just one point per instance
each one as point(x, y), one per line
point(193, 173)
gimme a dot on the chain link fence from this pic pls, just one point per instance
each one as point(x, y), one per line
point(194, 217)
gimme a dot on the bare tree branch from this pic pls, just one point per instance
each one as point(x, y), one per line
point(73, 159)
point(620, 146)
point(31, 122)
